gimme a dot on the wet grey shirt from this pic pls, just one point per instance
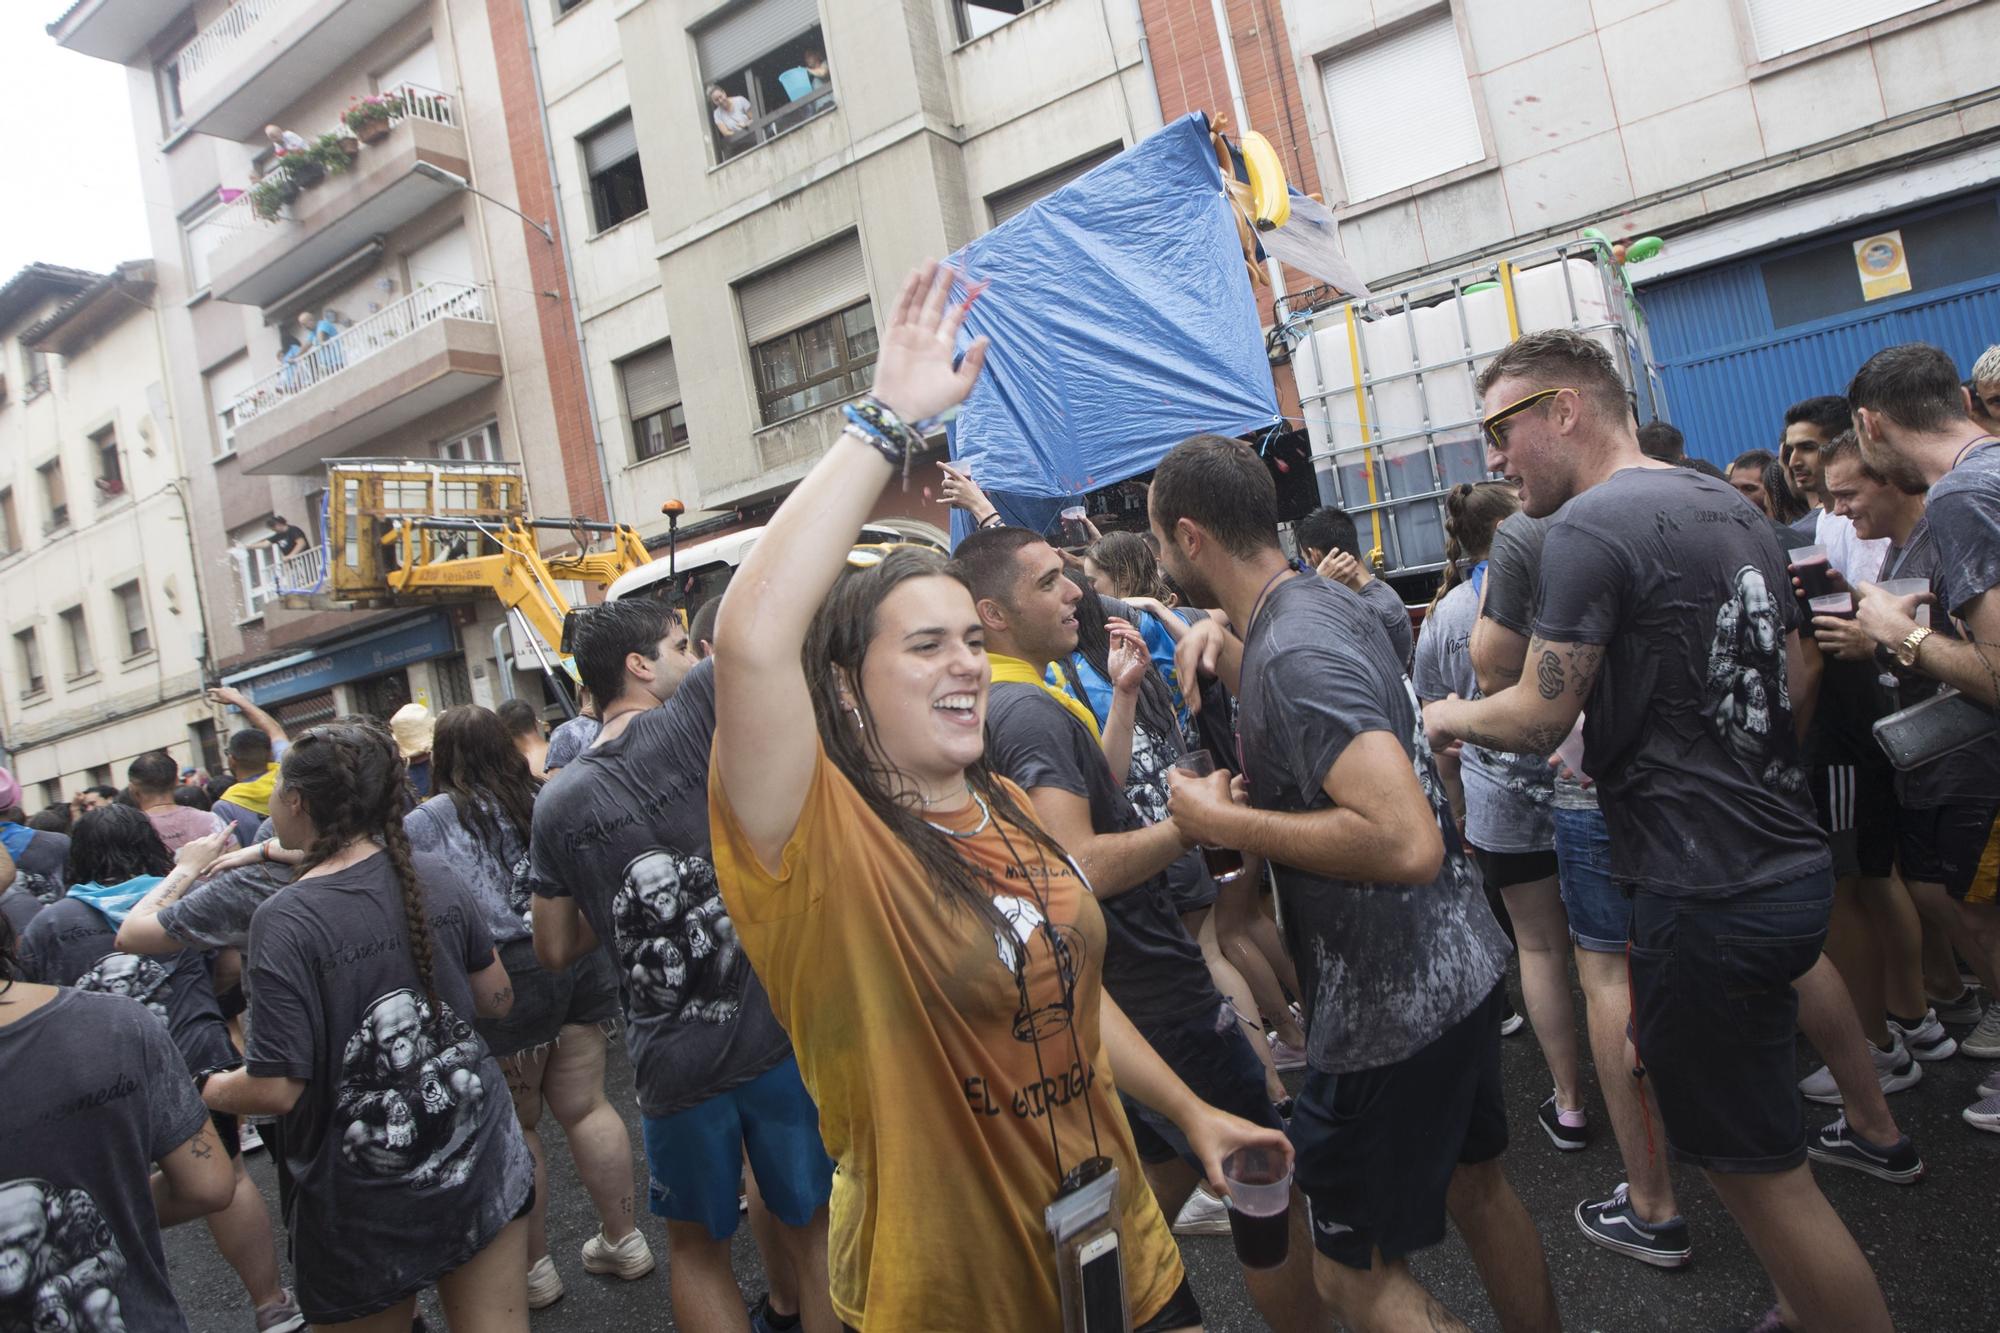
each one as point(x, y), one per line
point(1688, 729)
point(496, 872)
point(568, 741)
point(216, 913)
point(42, 867)
point(96, 1094)
point(1509, 798)
point(1387, 604)
point(1513, 576)
point(624, 831)
point(1964, 514)
point(1967, 776)
point(19, 907)
point(1387, 968)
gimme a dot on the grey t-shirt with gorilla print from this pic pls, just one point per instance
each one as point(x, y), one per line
point(404, 1144)
point(1688, 729)
point(1387, 968)
point(624, 831)
point(96, 1094)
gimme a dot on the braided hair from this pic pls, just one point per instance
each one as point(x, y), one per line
point(1473, 511)
point(349, 778)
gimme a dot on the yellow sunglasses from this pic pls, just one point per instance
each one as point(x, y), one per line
point(1490, 427)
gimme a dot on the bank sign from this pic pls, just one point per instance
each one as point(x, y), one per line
point(371, 655)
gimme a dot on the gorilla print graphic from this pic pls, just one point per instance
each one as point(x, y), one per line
point(58, 1262)
point(1748, 698)
point(677, 948)
point(132, 976)
point(410, 1093)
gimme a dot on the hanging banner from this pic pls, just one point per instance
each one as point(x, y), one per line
point(1883, 265)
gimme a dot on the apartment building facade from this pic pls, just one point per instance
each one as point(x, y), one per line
point(350, 208)
point(103, 620)
point(731, 249)
point(1824, 176)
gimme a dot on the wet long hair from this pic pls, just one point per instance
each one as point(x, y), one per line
point(1473, 512)
point(1128, 561)
point(1093, 644)
point(348, 776)
point(838, 642)
point(114, 843)
point(475, 763)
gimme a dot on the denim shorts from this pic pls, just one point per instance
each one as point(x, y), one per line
point(1211, 1053)
point(1715, 1018)
point(546, 1002)
point(1600, 915)
point(695, 1157)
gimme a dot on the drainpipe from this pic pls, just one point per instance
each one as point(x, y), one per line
point(1227, 42)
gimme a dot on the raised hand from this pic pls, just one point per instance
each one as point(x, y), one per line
point(917, 374)
point(1128, 656)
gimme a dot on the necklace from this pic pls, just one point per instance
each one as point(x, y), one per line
point(1970, 445)
point(928, 802)
point(985, 818)
point(1262, 593)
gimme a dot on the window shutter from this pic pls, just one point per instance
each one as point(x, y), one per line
point(743, 34)
point(610, 144)
point(651, 382)
point(1016, 199)
point(813, 285)
point(1781, 26)
point(1402, 109)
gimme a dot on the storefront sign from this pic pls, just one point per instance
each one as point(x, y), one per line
point(1883, 265)
point(368, 655)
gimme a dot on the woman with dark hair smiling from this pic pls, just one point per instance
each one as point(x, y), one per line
point(936, 957)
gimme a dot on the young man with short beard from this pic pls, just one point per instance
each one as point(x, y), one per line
point(1666, 620)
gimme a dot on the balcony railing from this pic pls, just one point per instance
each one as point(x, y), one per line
point(378, 332)
point(303, 573)
point(218, 37)
point(422, 103)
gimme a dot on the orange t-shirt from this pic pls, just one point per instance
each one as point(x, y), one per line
point(912, 1034)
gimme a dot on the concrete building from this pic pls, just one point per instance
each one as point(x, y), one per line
point(103, 618)
point(1823, 175)
point(438, 316)
point(731, 250)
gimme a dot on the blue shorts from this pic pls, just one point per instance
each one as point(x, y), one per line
point(695, 1157)
point(1211, 1053)
point(1715, 1018)
point(1600, 915)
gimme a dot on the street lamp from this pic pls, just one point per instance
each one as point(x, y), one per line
point(431, 171)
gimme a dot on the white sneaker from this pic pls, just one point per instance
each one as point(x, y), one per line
point(1894, 1067)
point(1202, 1215)
point(630, 1258)
point(1285, 1055)
point(1928, 1040)
point(1990, 1086)
point(545, 1285)
point(1984, 1114)
point(247, 1138)
point(1983, 1042)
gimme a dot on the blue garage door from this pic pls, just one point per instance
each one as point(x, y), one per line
point(1739, 343)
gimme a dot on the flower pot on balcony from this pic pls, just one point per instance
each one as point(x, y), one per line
point(307, 173)
point(372, 131)
point(348, 144)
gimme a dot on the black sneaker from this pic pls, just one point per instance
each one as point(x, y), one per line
point(1568, 1138)
point(1839, 1145)
point(1612, 1224)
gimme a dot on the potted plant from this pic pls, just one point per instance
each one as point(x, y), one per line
point(269, 195)
point(331, 151)
point(369, 117)
point(302, 169)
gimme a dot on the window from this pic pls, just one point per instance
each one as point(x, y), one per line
point(29, 650)
point(10, 528)
point(37, 366)
point(256, 577)
point(1017, 199)
point(76, 642)
point(54, 493)
point(653, 402)
point(477, 446)
point(1402, 109)
point(132, 606)
point(110, 475)
point(763, 71)
point(976, 18)
point(617, 186)
point(226, 383)
point(1781, 26)
point(810, 329)
point(202, 234)
point(564, 6)
point(168, 77)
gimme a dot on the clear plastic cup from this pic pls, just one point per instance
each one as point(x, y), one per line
point(1814, 573)
point(1071, 527)
point(1834, 604)
point(1224, 864)
point(1260, 1205)
point(1904, 587)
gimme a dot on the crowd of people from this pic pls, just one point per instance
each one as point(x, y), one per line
point(961, 916)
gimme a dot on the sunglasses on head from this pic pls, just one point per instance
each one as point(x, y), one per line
point(1490, 427)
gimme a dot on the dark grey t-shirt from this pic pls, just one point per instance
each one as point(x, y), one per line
point(42, 867)
point(1689, 728)
point(216, 913)
point(1387, 967)
point(1513, 577)
point(496, 874)
point(1969, 776)
point(19, 907)
point(71, 943)
point(1388, 607)
point(624, 831)
point(96, 1094)
point(1151, 966)
point(569, 740)
point(1964, 514)
point(405, 1147)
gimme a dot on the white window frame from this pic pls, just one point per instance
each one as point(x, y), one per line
point(1779, 28)
point(81, 661)
point(34, 667)
point(256, 580)
point(220, 402)
point(1378, 90)
point(481, 444)
point(131, 598)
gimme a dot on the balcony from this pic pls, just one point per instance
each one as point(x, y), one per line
point(253, 61)
point(114, 30)
point(260, 261)
point(345, 392)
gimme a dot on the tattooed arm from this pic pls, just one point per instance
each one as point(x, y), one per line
point(194, 1179)
point(492, 991)
point(1532, 717)
point(1971, 664)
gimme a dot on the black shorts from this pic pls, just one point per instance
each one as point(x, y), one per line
point(226, 1129)
point(1856, 804)
point(1377, 1147)
point(1503, 870)
point(1715, 1018)
point(1212, 1054)
point(1942, 844)
point(546, 1002)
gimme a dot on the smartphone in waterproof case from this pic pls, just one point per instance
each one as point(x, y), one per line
point(1926, 732)
point(1103, 1281)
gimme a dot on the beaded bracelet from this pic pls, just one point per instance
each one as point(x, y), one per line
point(877, 443)
point(886, 431)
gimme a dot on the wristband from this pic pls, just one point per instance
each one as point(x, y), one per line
point(887, 431)
point(264, 850)
point(992, 520)
point(877, 443)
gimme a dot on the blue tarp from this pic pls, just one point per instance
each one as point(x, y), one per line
point(1122, 322)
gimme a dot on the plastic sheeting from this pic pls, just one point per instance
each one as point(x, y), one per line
point(1122, 322)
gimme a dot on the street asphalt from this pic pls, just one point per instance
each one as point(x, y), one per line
point(1932, 1244)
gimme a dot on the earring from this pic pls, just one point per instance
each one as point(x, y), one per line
point(858, 721)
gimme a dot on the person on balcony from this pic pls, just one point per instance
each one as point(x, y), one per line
point(733, 117)
point(284, 141)
point(286, 537)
